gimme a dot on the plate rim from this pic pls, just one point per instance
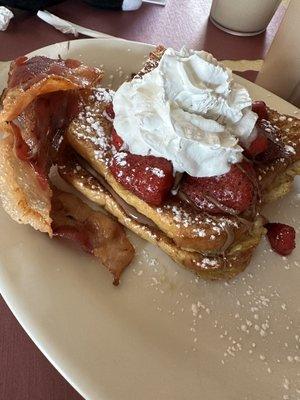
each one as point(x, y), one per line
point(41, 346)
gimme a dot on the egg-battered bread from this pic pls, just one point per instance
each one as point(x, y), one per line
point(213, 246)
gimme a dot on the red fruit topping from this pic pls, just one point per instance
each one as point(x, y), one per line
point(258, 146)
point(110, 111)
point(260, 108)
point(117, 141)
point(148, 177)
point(281, 238)
point(231, 192)
point(272, 153)
point(275, 147)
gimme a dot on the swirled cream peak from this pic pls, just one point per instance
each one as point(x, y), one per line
point(188, 110)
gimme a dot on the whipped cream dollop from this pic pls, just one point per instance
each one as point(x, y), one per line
point(188, 110)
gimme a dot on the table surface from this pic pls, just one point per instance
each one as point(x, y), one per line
point(25, 374)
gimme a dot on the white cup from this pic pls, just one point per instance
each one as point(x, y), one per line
point(281, 70)
point(243, 17)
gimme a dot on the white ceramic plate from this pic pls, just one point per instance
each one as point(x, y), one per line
point(162, 334)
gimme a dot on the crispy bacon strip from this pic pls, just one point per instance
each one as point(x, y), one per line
point(21, 193)
point(29, 78)
point(93, 231)
point(36, 127)
point(41, 99)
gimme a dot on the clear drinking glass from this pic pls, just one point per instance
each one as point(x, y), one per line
point(243, 17)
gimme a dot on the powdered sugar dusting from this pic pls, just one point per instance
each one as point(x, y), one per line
point(289, 149)
point(250, 322)
point(156, 171)
point(120, 158)
point(209, 262)
point(199, 232)
point(89, 125)
point(103, 95)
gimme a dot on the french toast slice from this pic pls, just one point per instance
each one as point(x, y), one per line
point(206, 266)
point(210, 245)
point(191, 230)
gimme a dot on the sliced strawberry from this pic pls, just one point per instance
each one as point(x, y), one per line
point(268, 145)
point(275, 148)
point(281, 238)
point(110, 111)
point(258, 146)
point(272, 153)
point(260, 108)
point(117, 141)
point(148, 177)
point(233, 191)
